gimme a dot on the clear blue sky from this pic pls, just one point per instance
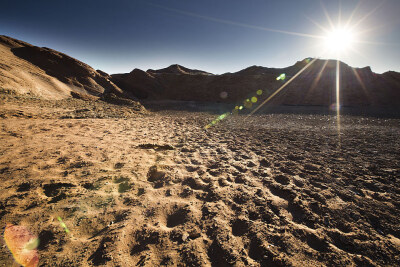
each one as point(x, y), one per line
point(213, 35)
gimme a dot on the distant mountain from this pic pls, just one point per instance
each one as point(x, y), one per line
point(138, 83)
point(177, 69)
point(47, 73)
point(50, 74)
point(316, 86)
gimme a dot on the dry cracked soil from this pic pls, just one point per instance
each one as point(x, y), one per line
point(157, 189)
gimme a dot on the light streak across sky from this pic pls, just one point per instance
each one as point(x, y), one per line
point(230, 22)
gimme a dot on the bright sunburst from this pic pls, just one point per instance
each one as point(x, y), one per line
point(339, 40)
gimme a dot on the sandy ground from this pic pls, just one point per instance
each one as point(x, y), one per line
point(157, 189)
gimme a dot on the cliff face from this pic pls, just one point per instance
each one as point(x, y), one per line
point(48, 73)
point(359, 87)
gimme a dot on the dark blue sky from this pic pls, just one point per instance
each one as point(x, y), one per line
point(214, 35)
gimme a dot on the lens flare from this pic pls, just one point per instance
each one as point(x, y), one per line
point(247, 103)
point(281, 77)
point(63, 225)
point(32, 244)
point(283, 86)
point(222, 116)
point(22, 244)
point(338, 102)
point(223, 95)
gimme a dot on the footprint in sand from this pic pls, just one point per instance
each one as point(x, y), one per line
point(178, 216)
point(157, 177)
point(57, 191)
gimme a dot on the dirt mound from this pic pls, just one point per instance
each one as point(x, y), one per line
point(78, 107)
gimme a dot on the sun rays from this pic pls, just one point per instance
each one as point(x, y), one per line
point(338, 102)
point(337, 39)
point(282, 87)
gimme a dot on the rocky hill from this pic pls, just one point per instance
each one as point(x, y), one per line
point(178, 69)
point(316, 86)
point(46, 73)
point(49, 74)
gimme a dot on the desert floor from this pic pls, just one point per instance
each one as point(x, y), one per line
point(158, 189)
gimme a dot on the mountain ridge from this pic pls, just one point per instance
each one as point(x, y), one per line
point(48, 73)
point(316, 86)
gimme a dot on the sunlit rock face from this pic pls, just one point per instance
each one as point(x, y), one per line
point(47, 73)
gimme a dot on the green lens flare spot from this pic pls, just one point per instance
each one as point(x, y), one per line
point(241, 107)
point(63, 225)
point(247, 103)
point(281, 77)
point(237, 107)
point(32, 244)
point(259, 92)
point(254, 99)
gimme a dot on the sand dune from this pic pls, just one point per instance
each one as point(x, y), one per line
point(47, 73)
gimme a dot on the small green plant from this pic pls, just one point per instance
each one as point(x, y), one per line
point(123, 187)
point(120, 179)
point(106, 202)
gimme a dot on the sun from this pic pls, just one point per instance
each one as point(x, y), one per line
point(339, 40)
